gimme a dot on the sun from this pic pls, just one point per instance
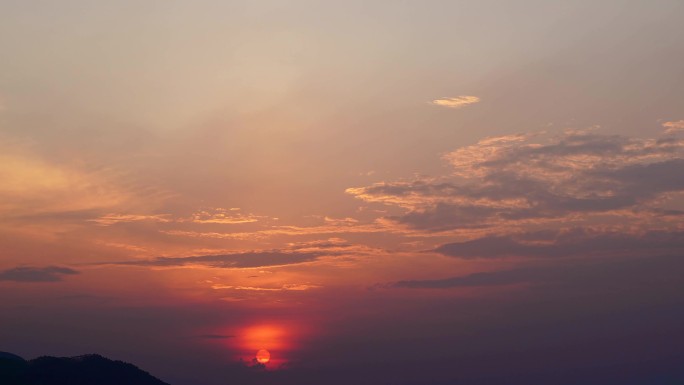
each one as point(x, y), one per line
point(263, 356)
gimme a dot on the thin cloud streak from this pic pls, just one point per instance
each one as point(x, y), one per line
point(111, 219)
point(36, 274)
point(456, 102)
point(289, 287)
point(207, 216)
point(566, 243)
point(331, 227)
point(214, 336)
point(294, 254)
point(231, 261)
point(634, 271)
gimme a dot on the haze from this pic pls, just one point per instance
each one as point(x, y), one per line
point(405, 192)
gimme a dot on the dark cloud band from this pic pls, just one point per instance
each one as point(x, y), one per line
point(36, 274)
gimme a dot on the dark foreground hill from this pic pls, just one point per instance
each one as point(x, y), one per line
point(90, 369)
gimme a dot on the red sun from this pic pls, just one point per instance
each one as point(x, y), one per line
point(263, 356)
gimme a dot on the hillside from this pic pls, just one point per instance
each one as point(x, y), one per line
point(89, 369)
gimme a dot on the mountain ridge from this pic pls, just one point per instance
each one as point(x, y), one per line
point(88, 369)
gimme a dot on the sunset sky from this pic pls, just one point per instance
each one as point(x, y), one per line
point(376, 192)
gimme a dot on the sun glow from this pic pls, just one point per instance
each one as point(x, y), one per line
point(264, 337)
point(259, 342)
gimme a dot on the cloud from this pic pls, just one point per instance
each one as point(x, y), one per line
point(565, 243)
point(213, 216)
point(456, 102)
point(214, 336)
point(674, 127)
point(36, 274)
point(295, 253)
point(499, 278)
point(224, 216)
point(331, 226)
point(575, 276)
point(288, 287)
point(517, 179)
point(35, 187)
point(235, 260)
point(111, 219)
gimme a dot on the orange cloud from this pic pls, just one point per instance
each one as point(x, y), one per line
point(224, 216)
point(456, 102)
point(212, 216)
point(331, 226)
point(674, 127)
point(289, 287)
point(110, 219)
point(31, 186)
point(532, 179)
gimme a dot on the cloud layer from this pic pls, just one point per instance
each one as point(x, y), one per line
point(295, 254)
point(627, 272)
point(674, 127)
point(36, 274)
point(236, 260)
point(517, 179)
point(574, 242)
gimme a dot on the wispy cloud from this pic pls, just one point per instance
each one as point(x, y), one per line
point(638, 273)
point(36, 189)
point(456, 102)
point(295, 253)
point(233, 260)
point(214, 336)
point(288, 287)
point(32, 186)
point(111, 219)
point(674, 127)
point(565, 243)
point(36, 274)
point(211, 216)
point(224, 216)
point(518, 179)
point(331, 226)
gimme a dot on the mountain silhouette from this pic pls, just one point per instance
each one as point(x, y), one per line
point(10, 356)
point(91, 369)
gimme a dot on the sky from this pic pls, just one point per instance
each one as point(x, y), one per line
point(376, 192)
